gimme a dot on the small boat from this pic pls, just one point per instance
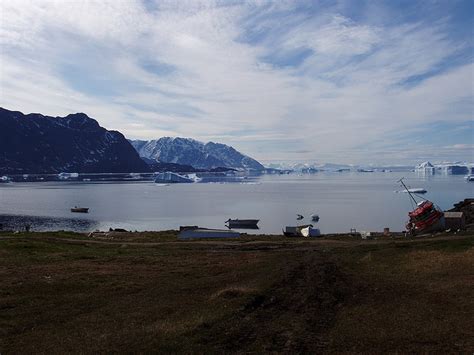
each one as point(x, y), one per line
point(417, 190)
point(425, 217)
point(469, 178)
point(243, 223)
point(299, 217)
point(80, 209)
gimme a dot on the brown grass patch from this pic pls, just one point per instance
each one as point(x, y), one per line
point(233, 292)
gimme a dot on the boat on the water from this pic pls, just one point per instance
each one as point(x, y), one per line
point(425, 217)
point(469, 178)
point(76, 209)
point(416, 190)
point(242, 223)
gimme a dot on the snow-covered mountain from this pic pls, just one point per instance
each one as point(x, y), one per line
point(188, 151)
point(35, 143)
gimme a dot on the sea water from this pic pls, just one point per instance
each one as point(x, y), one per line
point(364, 201)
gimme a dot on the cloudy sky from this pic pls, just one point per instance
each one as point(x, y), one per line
point(326, 81)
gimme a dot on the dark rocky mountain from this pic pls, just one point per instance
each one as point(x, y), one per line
point(157, 166)
point(188, 151)
point(35, 143)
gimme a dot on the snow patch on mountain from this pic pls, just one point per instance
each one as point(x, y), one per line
point(189, 151)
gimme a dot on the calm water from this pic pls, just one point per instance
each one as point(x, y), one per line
point(365, 201)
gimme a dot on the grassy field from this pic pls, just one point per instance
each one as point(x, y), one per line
point(63, 292)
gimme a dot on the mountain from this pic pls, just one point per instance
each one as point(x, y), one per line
point(188, 151)
point(35, 143)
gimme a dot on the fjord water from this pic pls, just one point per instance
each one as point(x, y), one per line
point(365, 201)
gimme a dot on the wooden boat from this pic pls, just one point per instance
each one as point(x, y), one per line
point(80, 209)
point(242, 223)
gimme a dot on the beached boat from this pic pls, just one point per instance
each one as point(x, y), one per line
point(310, 232)
point(76, 209)
point(425, 217)
point(295, 231)
point(242, 223)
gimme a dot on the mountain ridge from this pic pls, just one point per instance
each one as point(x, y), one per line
point(188, 151)
point(35, 143)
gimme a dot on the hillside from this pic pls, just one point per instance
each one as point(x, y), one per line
point(35, 143)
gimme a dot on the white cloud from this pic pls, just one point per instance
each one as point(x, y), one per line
point(206, 70)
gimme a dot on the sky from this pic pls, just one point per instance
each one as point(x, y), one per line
point(361, 82)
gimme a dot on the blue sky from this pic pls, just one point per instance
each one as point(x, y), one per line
point(325, 81)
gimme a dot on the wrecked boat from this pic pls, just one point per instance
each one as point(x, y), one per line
point(426, 217)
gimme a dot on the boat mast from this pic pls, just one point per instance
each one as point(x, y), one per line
point(406, 188)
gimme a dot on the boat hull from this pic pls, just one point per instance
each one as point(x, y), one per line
point(80, 210)
point(243, 223)
point(426, 218)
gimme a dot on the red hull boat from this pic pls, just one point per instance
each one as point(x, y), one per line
point(425, 218)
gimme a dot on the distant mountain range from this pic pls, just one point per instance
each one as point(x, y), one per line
point(35, 143)
point(187, 151)
point(38, 144)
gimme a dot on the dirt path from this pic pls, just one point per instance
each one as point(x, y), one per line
point(293, 316)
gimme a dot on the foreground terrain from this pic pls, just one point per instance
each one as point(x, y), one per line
point(64, 292)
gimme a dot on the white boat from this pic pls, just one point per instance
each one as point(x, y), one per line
point(417, 190)
point(295, 231)
point(469, 177)
point(310, 232)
